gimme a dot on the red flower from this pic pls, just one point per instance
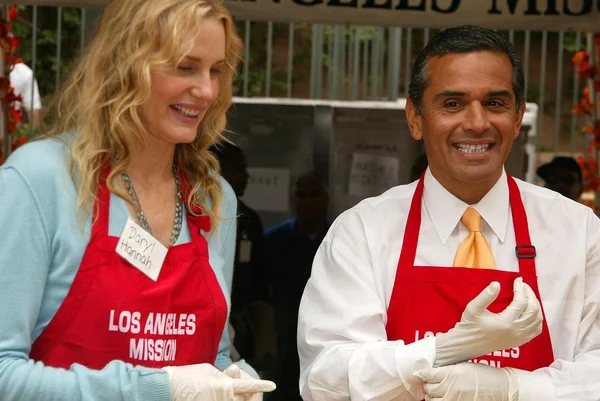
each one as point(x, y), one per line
point(3, 28)
point(18, 143)
point(10, 127)
point(13, 41)
point(588, 167)
point(595, 130)
point(12, 11)
point(11, 97)
point(4, 84)
point(16, 115)
point(586, 70)
point(593, 185)
point(581, 57)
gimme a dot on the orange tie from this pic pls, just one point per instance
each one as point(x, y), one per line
point(474, 251)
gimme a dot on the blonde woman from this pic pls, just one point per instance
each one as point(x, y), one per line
point(117, 234)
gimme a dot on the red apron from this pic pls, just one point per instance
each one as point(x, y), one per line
point(427, 300)
point(115, 312)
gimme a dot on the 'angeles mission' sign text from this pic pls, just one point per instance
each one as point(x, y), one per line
point(553, 15)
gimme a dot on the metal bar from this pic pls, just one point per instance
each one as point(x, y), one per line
point(390, 68)
point(365, 80)
point(349, 86)
point(425, 36)
point(381, 33)
point(319, 71)
point(58, 48)
point(246, 57)
point(526, 63)
point(342, 63)
point(374, 66)
point(559, 76)
point(269, 58)
point(83, 24)
point(313, 63)
point(335, 71)
point(408, 61)
point(394, 55)
point(290, 66)
point(331, 60)
point(356, 64)
point(575, 98)
point(33, 65)
point(511, 36)
point(542, 97)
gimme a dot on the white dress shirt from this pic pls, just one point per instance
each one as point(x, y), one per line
point(343, 347)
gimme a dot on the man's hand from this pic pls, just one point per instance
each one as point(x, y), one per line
point(469, 382)
point(481, 332)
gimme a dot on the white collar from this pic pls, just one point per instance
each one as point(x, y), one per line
point(446, 209)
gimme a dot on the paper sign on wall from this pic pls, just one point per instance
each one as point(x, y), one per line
point(268, 189)
point(372, 174)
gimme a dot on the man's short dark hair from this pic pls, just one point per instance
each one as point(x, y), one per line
point(308, 178)
point(560, 163)
point(464, 39)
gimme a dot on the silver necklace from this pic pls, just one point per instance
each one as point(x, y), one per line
point(140, 213)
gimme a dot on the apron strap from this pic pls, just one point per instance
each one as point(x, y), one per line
point(102, 205)
point(411, 232)
point(524, 251)
point(526, 254)
point(197, 220)
point(101, 210)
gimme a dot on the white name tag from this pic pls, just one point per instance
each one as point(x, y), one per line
point(141, 249)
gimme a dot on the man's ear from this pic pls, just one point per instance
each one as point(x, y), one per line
point(414, 120)
point(519, 119)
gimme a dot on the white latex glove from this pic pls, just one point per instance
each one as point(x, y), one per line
point(469, 382)
point(481, 332)
point(236, 372)
point(204, 382)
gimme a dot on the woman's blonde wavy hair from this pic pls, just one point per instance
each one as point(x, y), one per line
point(102, 97)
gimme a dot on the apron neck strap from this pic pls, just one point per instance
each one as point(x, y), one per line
point(102, 204)
point(100, 218)
point(413, 226)
point(524, 251)
point(197, 220)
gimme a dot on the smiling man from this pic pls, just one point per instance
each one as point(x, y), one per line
point(467, 284)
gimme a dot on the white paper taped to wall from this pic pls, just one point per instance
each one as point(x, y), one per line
point(268, 189)
point(372, 174)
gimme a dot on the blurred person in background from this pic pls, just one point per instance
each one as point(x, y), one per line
point(563, 175)
point(291, 247)
point(25, 85)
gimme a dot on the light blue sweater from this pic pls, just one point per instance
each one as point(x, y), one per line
point(41, 246)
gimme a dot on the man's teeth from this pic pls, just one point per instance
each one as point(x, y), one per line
point(187, 112)
point(473, 148)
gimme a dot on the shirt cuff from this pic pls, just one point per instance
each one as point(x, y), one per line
point(412, 358)
point(242, 364)
point(421, 350)
point(535, 386)
point(154, 387)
